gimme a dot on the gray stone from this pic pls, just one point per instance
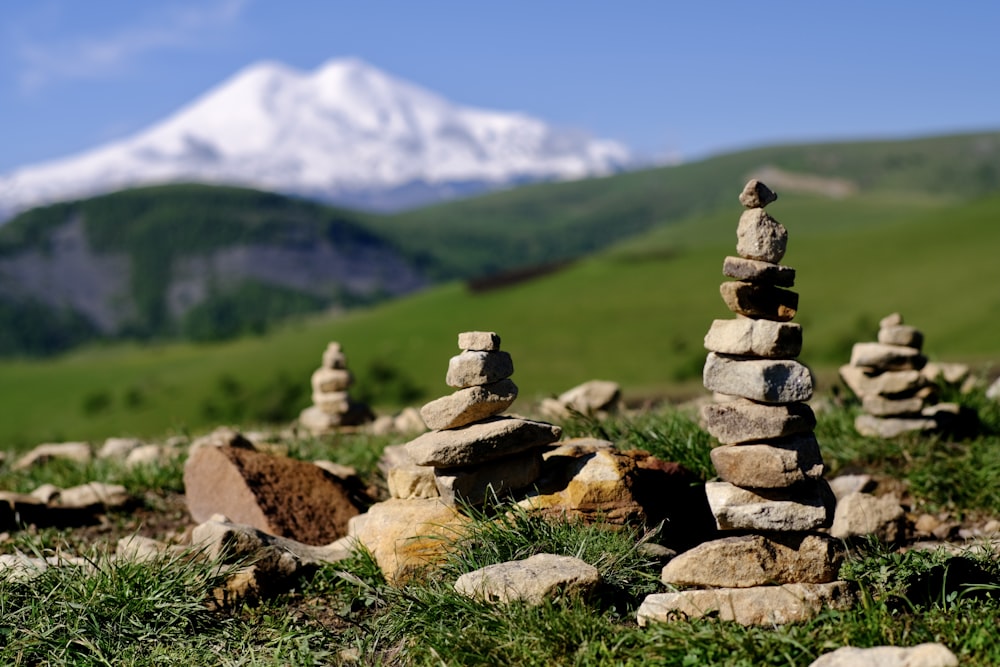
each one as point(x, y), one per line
point(409, 421)
point(478, 483)
point(485, 341)
point(756, 560)
point(118, 448)
point(776, 464)
point(78, 452)
point(331, 402)
point(483, 441)
point(754, 271)
point(880, 406)
point(533, 580)
point(473, 368)
point(756, 338)
point(886, 357)
point(843, 485)
point(469, 405)
point(891, 427)
point(333, 356)
point(953, 374)
point(592, 397)
point(921, 655)
point(742, 420)
point(864, 514)
point(760, 605)
point(806, 507)
point(325, 380)
point(764, 380)
point(109, 496)
point(890, 383)
point(893, 320)
point(756, 195)
point(901, 334)
point(760, 237)
point(759, 301)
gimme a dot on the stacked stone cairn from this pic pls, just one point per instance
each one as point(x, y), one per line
point(777, 566)
point(476, 452)
point(333, 408)
point(897, 395)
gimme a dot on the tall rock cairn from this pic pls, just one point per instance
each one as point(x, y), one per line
point(474, 450)
point(772, 497)
point(889, 377)
point(332, 407)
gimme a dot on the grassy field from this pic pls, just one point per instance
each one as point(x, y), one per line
point(635, 314)
point(155, 613)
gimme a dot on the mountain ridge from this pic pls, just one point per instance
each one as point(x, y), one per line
point(345, 131)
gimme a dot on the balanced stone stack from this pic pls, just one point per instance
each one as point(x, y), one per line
point(896, 395)
point(777, 567)
point(332, 407)
point(474, 450)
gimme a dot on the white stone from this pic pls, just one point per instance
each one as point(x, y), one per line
point(485, 341)
point(118, 448)
point(864, 514)
point(473, 368)
point(760, 237)
point(533, 580)
point(469, 405)
point(886, 357)
point(921, 655)
point(79, 452)
point(757, 338)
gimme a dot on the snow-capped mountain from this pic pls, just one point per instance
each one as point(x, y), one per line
point(345, 132)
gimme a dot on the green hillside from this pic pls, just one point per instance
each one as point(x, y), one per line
point(547, 223)
point(635, 314)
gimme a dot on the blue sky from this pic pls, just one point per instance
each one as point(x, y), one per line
point(685, 79)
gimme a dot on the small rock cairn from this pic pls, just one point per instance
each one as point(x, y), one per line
point(473, 450)
point(332, 406)
point(776, 568)
point(889, 377)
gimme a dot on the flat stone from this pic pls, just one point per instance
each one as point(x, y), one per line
point(953, 374)
point(886, 357)
point(485, 341)
point(891, 427)
point(756, 338)
point(890, 383)
point(764, 380)
point(108, 496)
point(408, 536)
point(477, 484)
point(844, 485)
point(469, 405)
point(759, 301)
point(742, 420)
point(319, 421)
point(881, 406)
point(754, 271)
point(276, 494)
point(473, 368)
point(776, 464)
point(223, 539)
point(861, 514)
point(332, 402)
point(78, 452)
point(756, 195)
point(534, 580)
point(760, 237)
point(325, 380)
point(592, 397)
point(921, 655)
point(756, 560)
point(901, 334)
point(760, 605)
point(118, 448)
point(806, 507)
point(492, 438)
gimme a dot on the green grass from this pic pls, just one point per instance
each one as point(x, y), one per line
point(155, 613)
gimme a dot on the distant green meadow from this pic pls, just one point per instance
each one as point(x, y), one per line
point(635, 314)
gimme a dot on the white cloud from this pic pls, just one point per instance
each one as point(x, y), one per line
point(91, 56)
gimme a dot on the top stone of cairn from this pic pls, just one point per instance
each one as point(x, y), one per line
point(478, 341)
point(756, 195)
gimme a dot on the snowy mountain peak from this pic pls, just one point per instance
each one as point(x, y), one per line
point(344, 132)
